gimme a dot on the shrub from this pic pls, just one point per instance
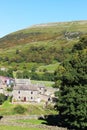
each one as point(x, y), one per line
point(2, 98)
point(19, 109)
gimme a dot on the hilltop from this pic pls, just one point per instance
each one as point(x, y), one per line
point(45, 32)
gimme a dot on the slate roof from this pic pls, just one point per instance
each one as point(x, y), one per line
point(25, 87)
point(22, 81)
point(25, 84)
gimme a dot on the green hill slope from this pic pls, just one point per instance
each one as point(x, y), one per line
point(40, 45)
point(45, 32)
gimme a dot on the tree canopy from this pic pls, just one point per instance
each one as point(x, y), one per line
point(71, 78)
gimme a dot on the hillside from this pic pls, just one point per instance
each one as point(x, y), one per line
point(45, 32)
point(40, 45)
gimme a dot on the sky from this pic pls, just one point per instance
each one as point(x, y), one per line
point(19, 14)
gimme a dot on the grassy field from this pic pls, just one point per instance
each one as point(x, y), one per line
point(32, 121)
point(17, 128)
point(31, 109)
point(49, 68)
point(12, 123)
point(46, 83)
point(25, 121)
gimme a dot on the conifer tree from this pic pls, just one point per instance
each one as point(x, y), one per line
point(72, 95)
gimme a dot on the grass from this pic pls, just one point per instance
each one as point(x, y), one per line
point(49, 68)
point(46, 83)
point(17, 128)
point(7, 104)
point(6, 108)
point(32, 121)
point(31, 109)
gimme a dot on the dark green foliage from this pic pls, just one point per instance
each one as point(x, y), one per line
point(17, 51)
point(44, 70)
point(25, 74)
point(10, 73)
point(10, 98)
point(19, 109)
point(2, 98)
point(19, 74)
point(46, 76)
point(72, 106)
point(33, 69)
point(82, 44)
point(10, 89)
point(3, 73)
point(72, 96)
point(38, 54)
point(6, 59)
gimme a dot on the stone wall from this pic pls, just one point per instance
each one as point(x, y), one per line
point(12, 121)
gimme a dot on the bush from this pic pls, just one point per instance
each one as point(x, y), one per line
point(2, 98)
point(19, 109)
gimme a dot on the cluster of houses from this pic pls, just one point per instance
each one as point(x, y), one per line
point(24, 91)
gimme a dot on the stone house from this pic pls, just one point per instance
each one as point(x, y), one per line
point(1, 89)
point(25, 91)
point(2, 85)
point(6, 81)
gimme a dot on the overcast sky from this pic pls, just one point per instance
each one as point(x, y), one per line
point(20, 14)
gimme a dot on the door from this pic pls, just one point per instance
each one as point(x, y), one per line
point(24, 99)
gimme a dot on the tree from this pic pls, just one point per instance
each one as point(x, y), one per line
point(72, 96)
point(82, 44)
point(26, 74)
point(2, 98)
point(10, 72)
point(17, 51)
point(19, 74)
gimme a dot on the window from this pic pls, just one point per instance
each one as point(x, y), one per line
point(31, 97)
point(31, 92)
point(19, 92)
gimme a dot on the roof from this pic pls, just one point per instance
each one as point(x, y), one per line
point(25, 87)
point(25, 84)
point(22, 81)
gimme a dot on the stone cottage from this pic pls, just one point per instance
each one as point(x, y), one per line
point(1, 89)
point(2, 85)
point(25, 91)
point(6, 81)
